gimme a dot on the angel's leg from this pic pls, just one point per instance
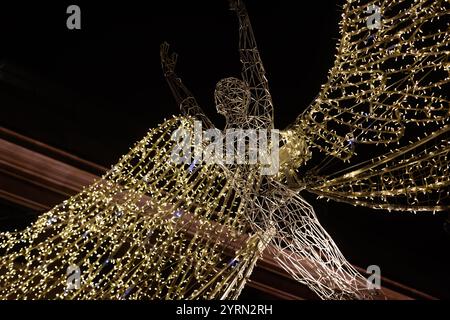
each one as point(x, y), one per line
point(304, 249)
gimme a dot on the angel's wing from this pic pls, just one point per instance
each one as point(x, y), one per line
point(412, 178)
point(389, 81)
point(150, 228)
point(384, 76)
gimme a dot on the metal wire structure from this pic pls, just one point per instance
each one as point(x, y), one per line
point(154, 229)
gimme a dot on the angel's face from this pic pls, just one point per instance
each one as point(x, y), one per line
point(232, 97)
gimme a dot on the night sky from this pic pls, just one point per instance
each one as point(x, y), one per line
point(94, 92)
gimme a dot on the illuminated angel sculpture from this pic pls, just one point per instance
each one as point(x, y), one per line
point(152, 228)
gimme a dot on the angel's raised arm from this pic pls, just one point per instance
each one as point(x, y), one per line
point(184, 98)
point(253, 72)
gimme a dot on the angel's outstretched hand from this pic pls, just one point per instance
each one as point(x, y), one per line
point(235, 5)
point(168, 60)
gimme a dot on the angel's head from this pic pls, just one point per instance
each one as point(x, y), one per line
point(232, 97)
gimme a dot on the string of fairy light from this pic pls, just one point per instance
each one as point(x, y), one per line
point(130, 235)
point(384, 83)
